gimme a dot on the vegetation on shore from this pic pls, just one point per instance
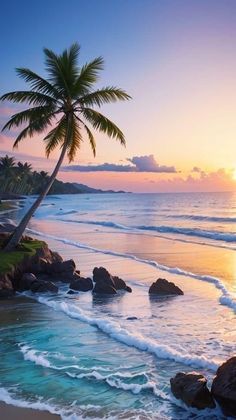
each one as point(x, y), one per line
point(10, 260)
point(65, 100)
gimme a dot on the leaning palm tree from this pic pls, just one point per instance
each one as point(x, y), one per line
point(65, 102)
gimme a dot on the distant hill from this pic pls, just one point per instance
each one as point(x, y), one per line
point(84, 189)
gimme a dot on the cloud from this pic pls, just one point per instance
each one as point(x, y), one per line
point(139, 164)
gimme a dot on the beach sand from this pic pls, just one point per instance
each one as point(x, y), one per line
point(11, 412)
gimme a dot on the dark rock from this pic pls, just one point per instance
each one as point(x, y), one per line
point(120, 284)
point(224, 387)
point(61, 267)
point(131, 318)
point(82, 284)
point(43, 286)
point(66, 277)
point(71, 292)
point(102, 275)
point(192, 389)
point(26, 281)
point(104, 289)
point(163, 287)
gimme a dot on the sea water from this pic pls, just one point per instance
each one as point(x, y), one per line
point(86, 356)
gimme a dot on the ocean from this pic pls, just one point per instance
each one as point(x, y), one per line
point(84, 356)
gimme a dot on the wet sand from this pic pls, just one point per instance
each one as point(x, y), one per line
point(11, 412)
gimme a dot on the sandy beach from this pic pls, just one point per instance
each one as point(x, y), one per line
point(10, 412)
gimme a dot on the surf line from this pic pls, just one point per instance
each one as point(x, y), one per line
point(226, 297)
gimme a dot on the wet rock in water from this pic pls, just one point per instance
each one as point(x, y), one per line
point(224, 387)
point(71, 292)
point(131, 318)
point(43, 286)
point(162, 287)
point(103, 288)
point(102, 277)
point(82, 284)
point(120, 284)
point(192, 389)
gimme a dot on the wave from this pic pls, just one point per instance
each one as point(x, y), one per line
point(226, 297)
point(116, 332)
point(8, 398)
point(220, 219)
point(113, 379)
point(66, 212)
point(196, 232)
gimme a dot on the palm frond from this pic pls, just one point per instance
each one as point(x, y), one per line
point(103, 124)
point(89, 74)
point(29, 115)
point(30, 97)
point(91, 139)
point(74, 139)
point(36, 126)
point(56, 136)
point(62, 69)
point(106, 95)
point(37, 82)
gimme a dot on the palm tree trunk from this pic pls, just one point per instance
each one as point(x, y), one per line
point(18, 232)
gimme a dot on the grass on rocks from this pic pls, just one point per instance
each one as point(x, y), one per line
point(9, 260)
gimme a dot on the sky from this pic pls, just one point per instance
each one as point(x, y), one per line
point(176, 58)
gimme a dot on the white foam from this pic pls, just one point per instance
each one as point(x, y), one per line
point(34, 356)
point(8, 398)
point(226, 298)
point(209, 234)
point(115, 331)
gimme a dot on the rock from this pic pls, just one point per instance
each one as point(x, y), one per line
point(120, 284)
point(60, 267)
point(131, 318)
point(192, 389)
point(102, 275)
point(224, 387)
point(104, 289)
point(163, 287)
point(43, 286)
point(66, 277)
point(27, 280)
point(82, 284)
point(71, 292)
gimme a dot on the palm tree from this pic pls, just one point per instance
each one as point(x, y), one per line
point(7, 166)
point(65, 102)
point(23, 172)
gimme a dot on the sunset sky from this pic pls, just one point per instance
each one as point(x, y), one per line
point(176, 58)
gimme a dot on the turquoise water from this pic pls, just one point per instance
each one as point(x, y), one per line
point(88, 357)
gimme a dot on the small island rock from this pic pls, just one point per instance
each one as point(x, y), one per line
point(163, 287)
point(224, 387)
point(192, 389)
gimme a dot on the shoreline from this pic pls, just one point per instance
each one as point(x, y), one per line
point(12, 412)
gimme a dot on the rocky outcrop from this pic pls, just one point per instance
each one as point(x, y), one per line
point(6, 287)
point(192, 389)
point(104, 289)
point(82, 284)
point(105, 283)
point(224, 387)
point(162, 287)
